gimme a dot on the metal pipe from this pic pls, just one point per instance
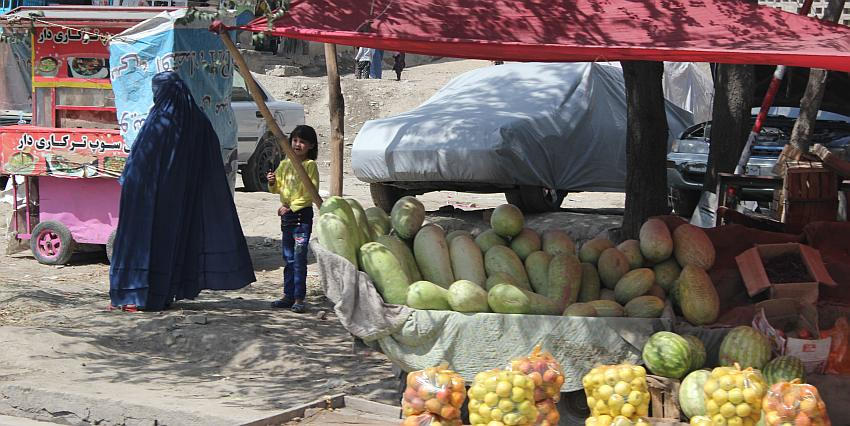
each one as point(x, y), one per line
point(14, 203)
point(27, 192)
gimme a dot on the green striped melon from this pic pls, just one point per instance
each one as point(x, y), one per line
point(503, 259)
point(489, 239)
point(697, 352)
point(525, 243)
point(403, 253)
point(746, 346)
point(784, 369)
point(667, 354)
point(644, 307)
point(379, 221)
point(697, 296)
point(666, 273)
point(386, 272)
point(607, 308)
point(692, 394)
point(407, 216)
point(633, 284)
point(507, 220)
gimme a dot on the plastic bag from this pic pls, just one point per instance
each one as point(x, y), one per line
point(617, 390)
point(547, 413)
point(502, 396)
point(606, 420)
point(546, 372)
point(428, 419)
point(734, 396)
point(839, 353)
point(794, 403)
point(434, 390)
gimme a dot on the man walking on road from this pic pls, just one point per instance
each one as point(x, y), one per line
point(364, 59)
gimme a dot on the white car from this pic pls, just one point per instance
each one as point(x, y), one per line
point(257, 150)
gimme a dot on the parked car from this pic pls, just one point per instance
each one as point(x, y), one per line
point(258, 152)
point(688, 157)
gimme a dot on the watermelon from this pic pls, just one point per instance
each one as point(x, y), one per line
point(488, 239)
point(667, 354)
point(784, 369)
point(362, 220)
point(644, 307)
point(507, 220)
point(525, 243)
point(656, 244)
point(691, 246)
point(557, 242)
point(746, 346)
point(697, 352)
point(692, 395)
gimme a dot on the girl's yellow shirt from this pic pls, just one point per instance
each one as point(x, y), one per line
point(292, 193)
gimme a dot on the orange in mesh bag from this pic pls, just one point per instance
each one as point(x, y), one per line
point(544, 370)
point(428, 419)
point(435, 390)
point(839, 352)
point(794, 403)
point(547, 413)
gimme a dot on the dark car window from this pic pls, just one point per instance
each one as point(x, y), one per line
point(240, 91)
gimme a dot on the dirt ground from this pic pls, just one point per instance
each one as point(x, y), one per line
point(225, 358)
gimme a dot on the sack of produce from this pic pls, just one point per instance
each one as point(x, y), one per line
point(434, 390)
point(701, 421)
point(734, 396)
point(428, 419)
point(504, 397)
point(606, 420)
point(794, 403)
point(616, 390)
point(544, 370)
point(547, 413)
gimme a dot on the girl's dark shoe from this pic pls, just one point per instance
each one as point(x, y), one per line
point(299, 308)
point(284, 303)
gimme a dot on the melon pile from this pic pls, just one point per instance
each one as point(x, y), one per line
point(513, 269)
point(616, 391)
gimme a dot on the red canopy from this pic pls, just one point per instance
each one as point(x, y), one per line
point(726, 31)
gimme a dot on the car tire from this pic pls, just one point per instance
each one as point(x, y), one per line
point(51, 243)
point(531, 199)
point(385, 196)
point(573, 408)
point(266, 157)
point(684, 201)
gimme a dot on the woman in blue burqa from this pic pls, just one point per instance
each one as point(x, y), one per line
point(178, 232)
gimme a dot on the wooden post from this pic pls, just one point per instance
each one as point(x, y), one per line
point(336, 104)
point(282, 140)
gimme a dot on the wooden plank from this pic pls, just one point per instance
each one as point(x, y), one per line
point(665, 397)
point(371, 407)
point(336, 104)
point(332, 401)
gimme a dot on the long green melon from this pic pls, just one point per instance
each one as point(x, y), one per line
point(691, 246)
point(697, 296)
point(667, 354)
point(488, 239)
point(606, 294)
point(644, 307)
point(612, 265)
point(784, 369)
point(656, 244)
point(556, 241)
point(592, 249)
point(503, 259)
point(564, 280)
point(607, 308)
point(631, 249)
point(508, 299)
point(403, 254)
point(456, 233)
point(692, 393)
point(537, 267)
point(361, 219)
point(386, 272)
point(467, 296)
point(746, 346)
point(467, 260)
point(525, 243)
point(666, 273)
point(339, 207)
point(698, 354)
point(335, 235)
point(580, 310)
point(507, 220)
point(379, 221)
point(432, 255)
point(427, 295)
point(407, 216)
point(498, 278)
point(589, 283)
point(633, 284)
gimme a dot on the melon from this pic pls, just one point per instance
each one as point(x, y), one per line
point(666, 273)
point(467, 296)
point(606, 294)
point(693, 247)
point(498, 278)
point(633, 284)
point(784, 369)
point(525, 243)
point(537, 267)
point(607, 308)
point(503, 259)
point(362, 220)
point(467, 260)
point(557, 242)
point(631, 249)
point(697, 296)
point(379, 221)
point(336, 236)
point(746, 346)
point(507, 220)
point(692, 394)
point(340, 208)
point(508, 299)
point(657, 291)
point(488, 239)
point(656, 244)
point(589, 283)
point(564, 280)
point(427, 295)
point(403, 254)
point(456, 233)
point(667, 354)
point(407, 216)
point(592, 249)
point(580, 310)
point(386, 272)
point(432, 256)
point(698, 354)
point(612, 265)
point(644, 307)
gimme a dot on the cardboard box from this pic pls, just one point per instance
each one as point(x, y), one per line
point(751, 266)
point(778, 314)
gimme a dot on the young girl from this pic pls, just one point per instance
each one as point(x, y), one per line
point(296, 215)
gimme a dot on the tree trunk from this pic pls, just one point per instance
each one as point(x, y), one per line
point(336, 104)
point(810, 104)
point(646, 146)
point(730, 118)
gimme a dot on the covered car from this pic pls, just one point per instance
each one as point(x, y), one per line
point(534, 131)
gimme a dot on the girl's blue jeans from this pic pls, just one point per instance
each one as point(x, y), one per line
point(296, 228)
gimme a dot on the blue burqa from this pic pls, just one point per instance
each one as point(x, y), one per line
point(178, 231)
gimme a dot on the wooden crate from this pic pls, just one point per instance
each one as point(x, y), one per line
point(665, 397)
point(809, 194)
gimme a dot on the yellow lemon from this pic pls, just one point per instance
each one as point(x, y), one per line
point(519, 380)
point(734, 421)
point(491, 399)
point(507, 406)
point(474, 418)
point(591, 401)
point(639, 371)
point(718, 420)
point(484, 411)
point(605, 392)
point(711, 407)
point(750, 395)
point(743, 410)
point(627, 410)
point(736, 396)
point(710, 386)
point(748, 421)
point(727, 410)
point(598, 380)
point(639, 383)
point(473, 405)
point(615, 402)
point(526, 407)
point(511, 419)
point(719, 396)
point(517, 394)
point(740, 380)
point(496, 414)
point(642, 410)
point(603, 420)
point(635, 398)
point(622, 388)
point(726, 382)
point(611, 377)
point(504, 389)
point(626, 374)
point(600, 408)
point(491, 383)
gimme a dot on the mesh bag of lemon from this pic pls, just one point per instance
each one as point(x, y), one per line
point(435, 390)
point(502, 398)
point(616, 390)
point(794, 403)
point(733, 396)
point(544, 370)
point(616, 421)
point(428, 419)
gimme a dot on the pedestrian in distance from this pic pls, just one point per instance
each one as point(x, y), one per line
point(296, 215)
point(375, 67)
point(364, 60)
point(398, 64)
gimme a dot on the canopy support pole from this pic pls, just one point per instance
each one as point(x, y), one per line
point(282, 140)
point(336, 104)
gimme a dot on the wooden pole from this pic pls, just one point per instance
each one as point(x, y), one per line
point(282, 140)
point(336, 104)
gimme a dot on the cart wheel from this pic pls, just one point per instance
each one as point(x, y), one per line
point(573, 408)
point(110, 246)
point(51, 243)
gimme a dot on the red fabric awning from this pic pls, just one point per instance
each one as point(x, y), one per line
point(726, 31)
